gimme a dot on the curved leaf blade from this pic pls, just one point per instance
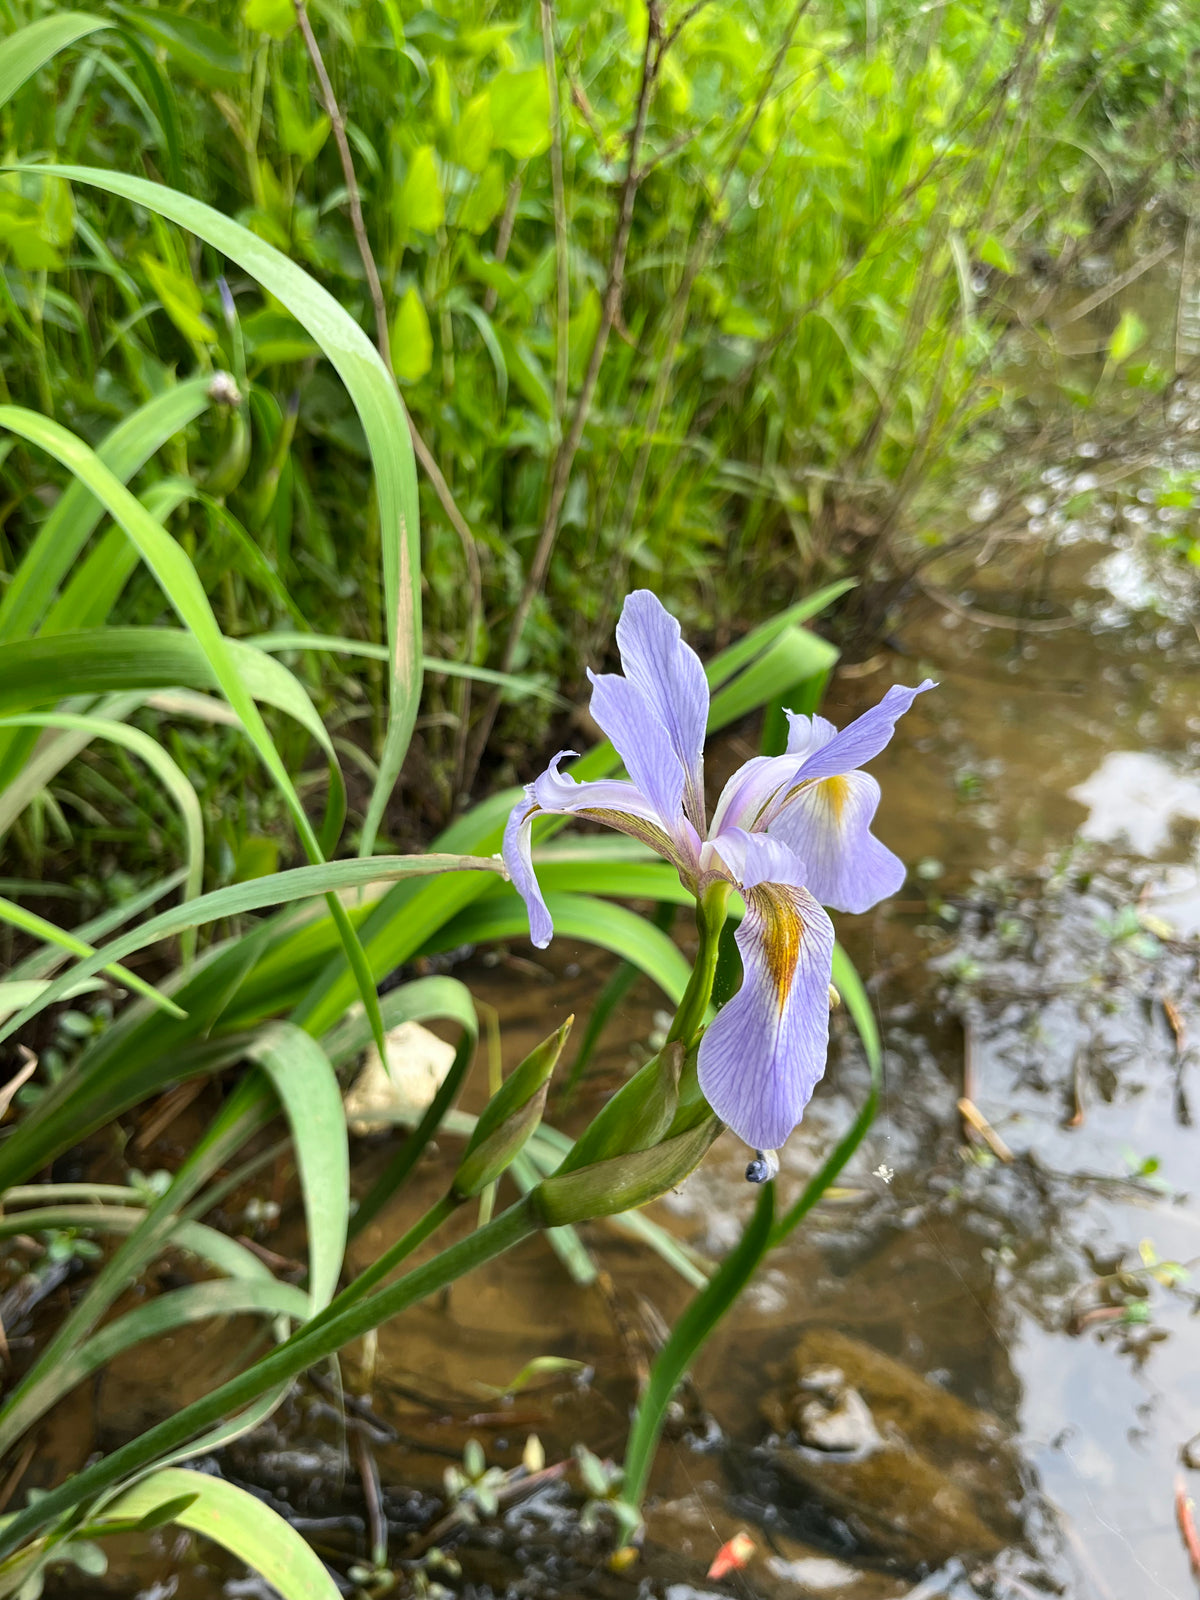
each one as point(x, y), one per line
point(40, 671)
point(576, 916)
point(30, 49)
point(304, 1080)
point(17, 917)
point(235, 1519)
point(299, 883)
point(164, 766)
point(178, 1308)
point(77, 514)
point(384, 422)
point(182, 588)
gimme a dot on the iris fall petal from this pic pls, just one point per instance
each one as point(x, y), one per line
point(764, 1053)
point(828, 824)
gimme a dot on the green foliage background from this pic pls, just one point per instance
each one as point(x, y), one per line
point(711, 298)
point(826, 206)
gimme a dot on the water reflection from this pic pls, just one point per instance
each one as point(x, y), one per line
point(1135, 798)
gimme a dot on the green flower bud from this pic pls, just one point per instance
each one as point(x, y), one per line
point(636, 1117)
point(622, 1182)
point(509, 1117)
point(230, 467)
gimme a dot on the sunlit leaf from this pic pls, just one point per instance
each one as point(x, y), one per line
point(31, 47)
point(274, 17)
point(520, 112)
point(411, 341)
point(421, 203)
point(1129, 335)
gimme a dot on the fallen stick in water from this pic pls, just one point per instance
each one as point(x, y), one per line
point(974, 1118)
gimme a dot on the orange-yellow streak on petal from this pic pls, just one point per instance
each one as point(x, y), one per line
point(835, 792)
point(832, 793)
point(783, 931)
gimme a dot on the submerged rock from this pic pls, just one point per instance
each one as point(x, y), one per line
point(841, 1421)
point(881, 1461)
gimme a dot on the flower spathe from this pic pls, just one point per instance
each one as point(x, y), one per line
point(792, 833)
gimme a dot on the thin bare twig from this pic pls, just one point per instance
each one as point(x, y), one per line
point(383, 338)
point(368, 1473)
point(584, 107)
point(504, 235)
point(993, 619)
point(564, 458)
point(19, 1470)
point(1122, 281)
point(562, 316)
point(693, 11)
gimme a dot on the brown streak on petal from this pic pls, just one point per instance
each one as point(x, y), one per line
point(637, 827)
point(783, 932)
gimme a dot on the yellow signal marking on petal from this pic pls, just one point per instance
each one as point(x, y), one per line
point(835, 792)
point(783, 932)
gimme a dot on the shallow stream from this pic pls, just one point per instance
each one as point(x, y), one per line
point(997, 1327)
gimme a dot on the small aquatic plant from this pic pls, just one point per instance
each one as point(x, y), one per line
point(791, 832)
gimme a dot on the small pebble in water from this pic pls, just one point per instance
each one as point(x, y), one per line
point(764, 1166)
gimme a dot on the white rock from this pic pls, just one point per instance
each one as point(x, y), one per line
point(416, 1067)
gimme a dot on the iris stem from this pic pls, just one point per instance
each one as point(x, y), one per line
point(392, 1257)
point(710, 919)
point(689, 1019)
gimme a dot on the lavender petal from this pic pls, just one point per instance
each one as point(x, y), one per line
point(517, 851)
point(859, 740)
point(622, 806)
point(828, 823)
point(747, 797)
point(669, 675)
point(642, 742)
point(763, 1055)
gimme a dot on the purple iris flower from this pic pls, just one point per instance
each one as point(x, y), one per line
point(792, 833)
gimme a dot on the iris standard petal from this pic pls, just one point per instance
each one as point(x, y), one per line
point(642, 742)
point(764, 1053)
point(748, 795)
point(828, 824)
point(861, 739)
point(669, 674)
point(807, 735)
point(517, 851)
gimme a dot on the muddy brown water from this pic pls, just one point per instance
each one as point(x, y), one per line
point(1021, 1336)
